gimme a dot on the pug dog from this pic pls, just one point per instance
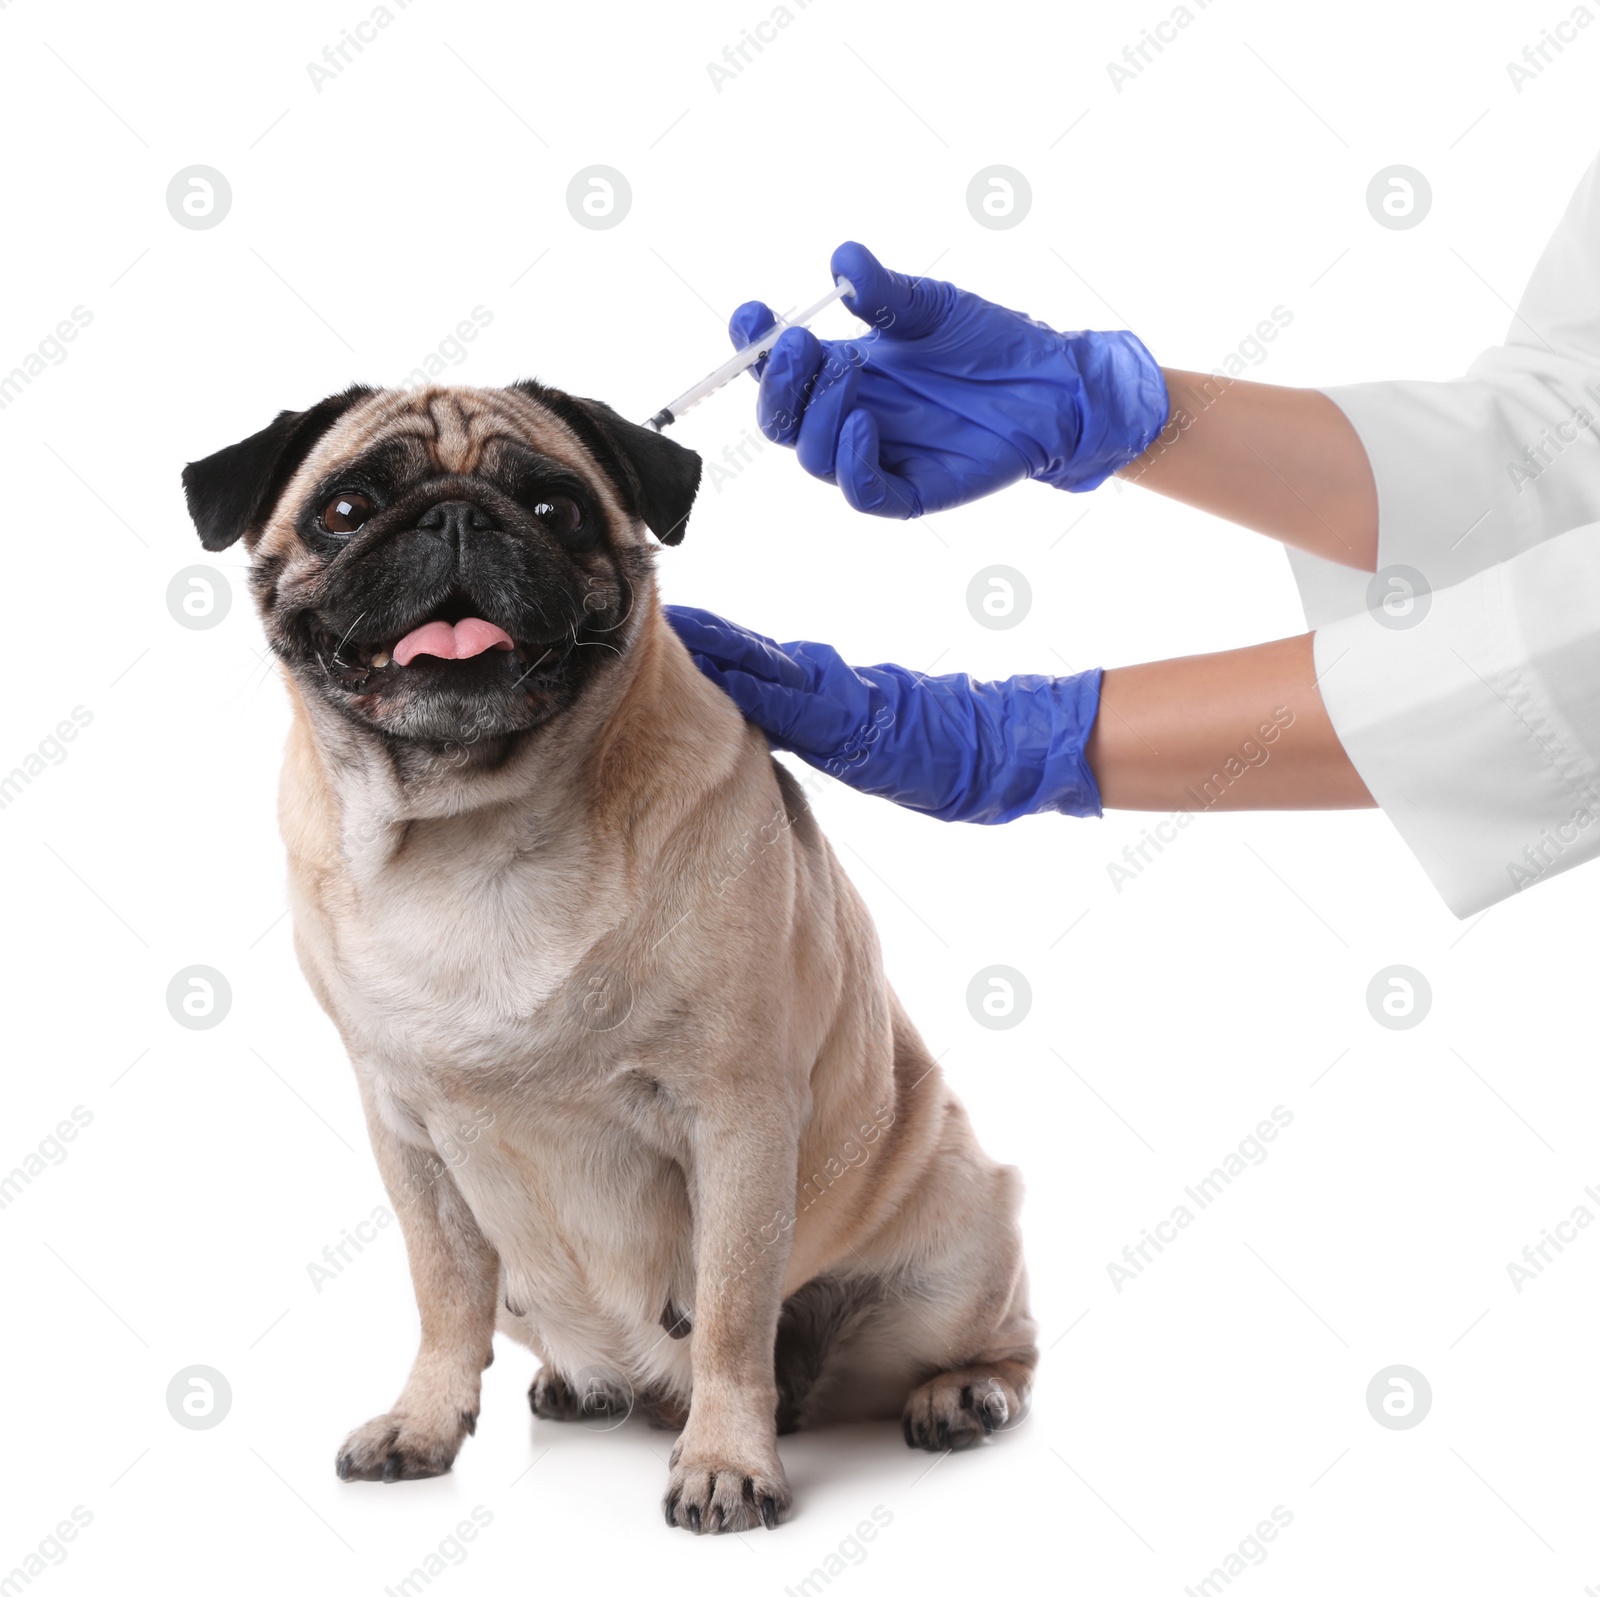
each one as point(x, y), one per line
point(639, 1090)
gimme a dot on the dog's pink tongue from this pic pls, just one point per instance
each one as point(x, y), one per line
point(458, 642)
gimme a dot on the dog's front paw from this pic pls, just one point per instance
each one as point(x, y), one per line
point(706, 1492)
point(400, 1447)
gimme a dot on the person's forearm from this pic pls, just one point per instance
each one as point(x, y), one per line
point(1243, 730)
point(1283, 461)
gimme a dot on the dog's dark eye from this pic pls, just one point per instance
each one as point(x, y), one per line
point(345, 513)
point(561, 515)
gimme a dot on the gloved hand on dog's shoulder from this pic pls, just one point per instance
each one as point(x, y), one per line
point(949, 397)
point(950, 747)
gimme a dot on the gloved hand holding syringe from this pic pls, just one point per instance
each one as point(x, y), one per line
point(745, 359)
point(944, 398)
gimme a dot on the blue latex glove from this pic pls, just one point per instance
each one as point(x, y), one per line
point(953, 748)
point(948, 397)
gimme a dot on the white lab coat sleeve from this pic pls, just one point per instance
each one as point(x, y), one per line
point(1477, 727)
point(1478, 469)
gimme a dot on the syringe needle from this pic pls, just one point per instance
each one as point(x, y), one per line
point(745, 359)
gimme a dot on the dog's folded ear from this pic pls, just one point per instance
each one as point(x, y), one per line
point(232, 492)
point(657, 477)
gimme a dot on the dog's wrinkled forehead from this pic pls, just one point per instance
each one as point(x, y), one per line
point(459, 432)
point(629, 471)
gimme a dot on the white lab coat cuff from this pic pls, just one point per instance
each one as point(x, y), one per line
point(1468, 473)
point(1475, 722)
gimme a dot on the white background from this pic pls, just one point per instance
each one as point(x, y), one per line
point(367, 220)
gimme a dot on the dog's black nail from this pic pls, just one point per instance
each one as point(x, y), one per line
point(490, 1360)
point(905, 1426)
point(714, 1519)
point(471, 1422)
point(694, 1518)
point(671, 1509)
point(392, 1467)
point(345, 1466)
point(769, 1512)
point(944, 1434)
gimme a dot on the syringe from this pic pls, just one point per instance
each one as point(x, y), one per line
point(745, 359)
